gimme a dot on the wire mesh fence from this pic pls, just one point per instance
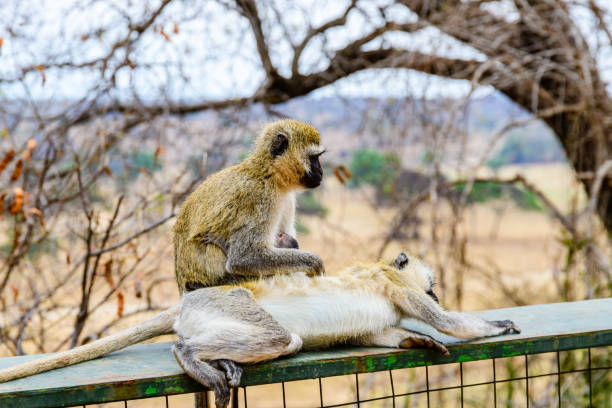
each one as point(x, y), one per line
point(530, 380)
point(574, 378)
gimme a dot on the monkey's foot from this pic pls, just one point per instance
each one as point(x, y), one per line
point(507, 325)
point(203, 372)
point(423, 340)
point(215, 241)
point(233, 372)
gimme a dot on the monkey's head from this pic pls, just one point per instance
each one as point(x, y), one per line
point(416, 271)
point(293, 149)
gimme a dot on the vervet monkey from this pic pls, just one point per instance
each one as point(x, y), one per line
point(239, 224)
point(362, 305)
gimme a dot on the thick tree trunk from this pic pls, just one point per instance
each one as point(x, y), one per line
point(587, 145)
point(584, 135)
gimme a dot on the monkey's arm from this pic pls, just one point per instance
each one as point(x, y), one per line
point(417, 304)
point(400, 338)
point(248, 258)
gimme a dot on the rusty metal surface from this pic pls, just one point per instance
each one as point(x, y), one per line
point(150, 370)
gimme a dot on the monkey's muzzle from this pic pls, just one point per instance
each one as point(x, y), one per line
point(314, 176)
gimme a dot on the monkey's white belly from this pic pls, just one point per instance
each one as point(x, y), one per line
point(331, 316)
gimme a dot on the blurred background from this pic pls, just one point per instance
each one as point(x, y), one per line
point(475, 134)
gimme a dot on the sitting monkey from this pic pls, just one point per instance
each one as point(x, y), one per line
point(362, 305)
point(239, 224)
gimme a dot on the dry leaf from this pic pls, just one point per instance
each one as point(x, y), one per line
point(35, 211)
point(120, 303)
point(8, 157)
point(2, 195)
point(84, 37)
point(1, 41)
point(107, 170)
point(162, 32)
point(138, 286)
point(17, 170)
point(159, 151)
point(15, 292)
point(42, 73)
point(32, 211)
point(18, 199)
point(175, 29)
point(26, 155)
point(342, 174)
point(31, 144)
point(67, 258)
point(108, 277)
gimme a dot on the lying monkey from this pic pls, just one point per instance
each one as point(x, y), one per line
point(362, 305)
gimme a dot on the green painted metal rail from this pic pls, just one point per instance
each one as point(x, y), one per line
point(150, 370)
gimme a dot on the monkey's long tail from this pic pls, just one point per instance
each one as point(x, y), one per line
point(159, 324)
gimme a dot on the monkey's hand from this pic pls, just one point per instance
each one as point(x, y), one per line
point(508, 326)
point(315, 264)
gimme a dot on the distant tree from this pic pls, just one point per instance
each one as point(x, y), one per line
point(525, 148)
point(370, 167)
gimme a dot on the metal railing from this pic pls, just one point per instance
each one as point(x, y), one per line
point(561, 358)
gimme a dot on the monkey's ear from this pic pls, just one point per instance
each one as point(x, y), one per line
point(279, 145)
point(401, 261)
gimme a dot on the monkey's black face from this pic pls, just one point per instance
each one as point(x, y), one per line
point(313, 177)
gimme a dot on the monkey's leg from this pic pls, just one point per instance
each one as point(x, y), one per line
point(463, 325)
point(245, 343)
point(402, 338)
point(203, 373)
point(192, 259)
point(228, 324)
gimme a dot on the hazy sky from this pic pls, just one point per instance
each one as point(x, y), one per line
point(212, 56)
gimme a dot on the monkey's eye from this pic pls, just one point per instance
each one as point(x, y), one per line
point(279, 145)
point(401, 261)
point(433, 296)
